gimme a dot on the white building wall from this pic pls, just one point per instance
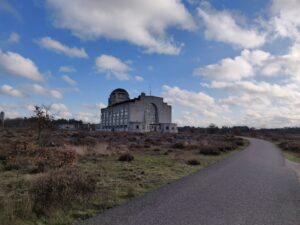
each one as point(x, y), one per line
point(137, 109)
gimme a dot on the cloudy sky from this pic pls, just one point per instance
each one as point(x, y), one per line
point(219, 61)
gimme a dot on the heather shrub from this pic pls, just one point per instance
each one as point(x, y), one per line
point(293, 146)
point(61, 188)
point(193, 162)
point(209, 150)
point(239, 142)
point(178, 145)
point(54, 158)
point(126, 157)
point(40, 160)
point(284, 145)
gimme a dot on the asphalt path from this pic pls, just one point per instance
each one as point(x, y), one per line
point(252, 187)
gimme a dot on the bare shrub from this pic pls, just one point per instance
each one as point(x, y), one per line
point(284, 145)
point(126, 157)
point(209, 150)
point(178, 145)
point(40, 160)
point(239, 142)
point(193, 162)
point(61, 188)
point(55, 158)
point(292, 146)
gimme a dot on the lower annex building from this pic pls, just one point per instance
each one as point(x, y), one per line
point(142, 114)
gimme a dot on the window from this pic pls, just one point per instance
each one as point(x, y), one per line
point(167, 128)
point(137, 127)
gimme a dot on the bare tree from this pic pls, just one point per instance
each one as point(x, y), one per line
point(43, 119)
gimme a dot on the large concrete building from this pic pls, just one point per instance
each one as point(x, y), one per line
point(141, 114)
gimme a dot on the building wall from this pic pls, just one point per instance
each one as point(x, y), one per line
point(137, 109)
point(115, 117)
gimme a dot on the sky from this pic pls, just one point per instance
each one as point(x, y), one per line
point(219, 61)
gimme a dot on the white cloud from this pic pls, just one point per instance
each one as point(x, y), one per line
point(88, 117)
point(15, 64)
point(9, 90)
point(14, 38)
point(143, 23)
point(286, 92)
point(139, 78)
point(69, 80)
point(96, 106)
point(222, 26)
point(227, 69)
point(113, 66)
point(248, 64)
point(262, 104)
point(285, 18)
point(199, 102)
point(66, 69)
point(56, 94)
point(40, 90)
point(56, 46)
point(60, 110)
point(11, 110)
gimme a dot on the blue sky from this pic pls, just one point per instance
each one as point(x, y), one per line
point(224, 62)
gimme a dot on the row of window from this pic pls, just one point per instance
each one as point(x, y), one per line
point(115, 122)
point(115, 114)
point(112, 127)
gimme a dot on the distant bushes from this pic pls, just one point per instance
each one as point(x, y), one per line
point(61, 188)
point(292, 146)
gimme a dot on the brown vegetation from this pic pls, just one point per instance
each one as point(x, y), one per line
point(61, 188)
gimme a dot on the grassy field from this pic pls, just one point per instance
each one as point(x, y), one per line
point(97, 180)
point(295, 157)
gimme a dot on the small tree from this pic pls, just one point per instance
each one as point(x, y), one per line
point(212, 129)
point(42, 118)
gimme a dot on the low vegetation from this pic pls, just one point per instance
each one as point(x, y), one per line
point(63, 176)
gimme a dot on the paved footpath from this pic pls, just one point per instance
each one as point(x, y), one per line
point(253, 187)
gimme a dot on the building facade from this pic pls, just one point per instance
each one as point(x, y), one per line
point(141, 114)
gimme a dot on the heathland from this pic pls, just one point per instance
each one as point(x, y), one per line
point(63, 176)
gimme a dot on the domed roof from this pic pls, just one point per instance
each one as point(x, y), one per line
point(118, 95)
point(119, 90)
